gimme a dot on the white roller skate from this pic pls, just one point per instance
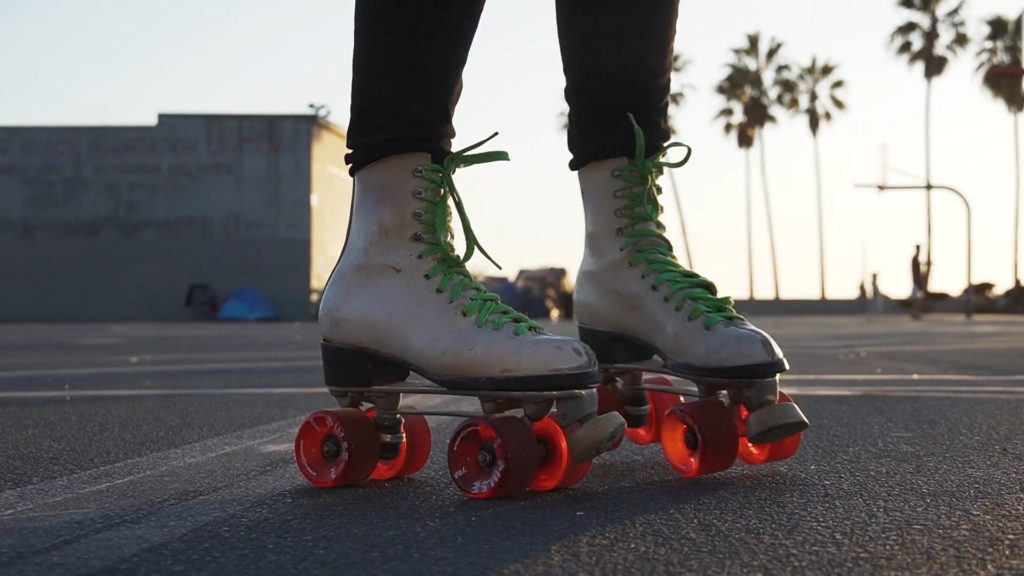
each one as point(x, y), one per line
point(401, 300)
point(640, 310)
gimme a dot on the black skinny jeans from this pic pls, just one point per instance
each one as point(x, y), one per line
point(409, 56)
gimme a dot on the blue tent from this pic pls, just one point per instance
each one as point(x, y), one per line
point(246, 304)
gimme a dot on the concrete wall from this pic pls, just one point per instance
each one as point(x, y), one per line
point(114, 223)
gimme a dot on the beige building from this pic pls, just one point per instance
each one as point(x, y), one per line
point(116, 223)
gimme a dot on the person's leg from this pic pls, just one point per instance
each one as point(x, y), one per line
point(407, 76)
point(617, 58)
point(400, 297)
point(633, 299)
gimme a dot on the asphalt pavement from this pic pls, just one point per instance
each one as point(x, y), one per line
point(167, 448)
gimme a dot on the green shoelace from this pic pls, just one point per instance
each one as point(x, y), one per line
point(649, 246)
point(436, 234)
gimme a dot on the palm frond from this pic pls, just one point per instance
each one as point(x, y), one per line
point(930, 37)
point(1000, 54)
point(756, 83)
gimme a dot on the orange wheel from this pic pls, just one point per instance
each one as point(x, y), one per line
point(699, 438)
point(575, 473)
point(551, 442)
point(336, 447)
point(413, 452)
point(756, 454)
point(493, 457)
point(659, 403)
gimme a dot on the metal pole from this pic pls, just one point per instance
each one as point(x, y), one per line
point(682, 222)
point(750, 227)
point(969, 295)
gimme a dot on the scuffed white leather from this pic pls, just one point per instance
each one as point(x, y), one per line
point(612, 296)
point(378, 299)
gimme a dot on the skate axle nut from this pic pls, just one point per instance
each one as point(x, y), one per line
point(330, 448)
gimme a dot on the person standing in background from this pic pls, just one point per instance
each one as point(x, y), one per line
point(919, 292)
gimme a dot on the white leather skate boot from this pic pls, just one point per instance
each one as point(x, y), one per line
point(401, 299)
point(635, 301)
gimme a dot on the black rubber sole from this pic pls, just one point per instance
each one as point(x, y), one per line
point(616, 348)
point(353, 367)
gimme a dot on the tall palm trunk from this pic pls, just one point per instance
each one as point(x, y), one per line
point(768, 211)
point(682, 222)
point(821, 219)
point(750, 226)
point(1016, 198)
point(928, 179)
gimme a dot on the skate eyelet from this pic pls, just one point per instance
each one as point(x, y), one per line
point(616, 173)
point(618, 232)
point(654, 288)
point(416, 237)
point(417, 214)
point(418, 193)
point(417, 171)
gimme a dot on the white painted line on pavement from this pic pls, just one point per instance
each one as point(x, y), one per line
point(276, 436)
point(300, 364)
point(968, 379)
point(221, 366)
point(116, 393)
point(881, 376)
point(28, 497)
point(143, 359)
point(922, 392)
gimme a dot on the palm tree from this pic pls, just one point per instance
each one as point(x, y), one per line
point(814, 92)
point(753, 87)
point(931, 37)
point(676, 98)
point(1000, 60)
point(736, 92)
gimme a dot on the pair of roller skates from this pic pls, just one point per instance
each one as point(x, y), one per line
point(401, 300)
point(702, 429)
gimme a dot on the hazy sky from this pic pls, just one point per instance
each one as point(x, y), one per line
point(124, 61)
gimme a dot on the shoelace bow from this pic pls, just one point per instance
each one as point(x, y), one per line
point(651, 249)
point(436, 234)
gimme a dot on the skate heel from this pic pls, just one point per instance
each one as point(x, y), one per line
point(612, 348)
point(346, 367)
point(774, 422)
